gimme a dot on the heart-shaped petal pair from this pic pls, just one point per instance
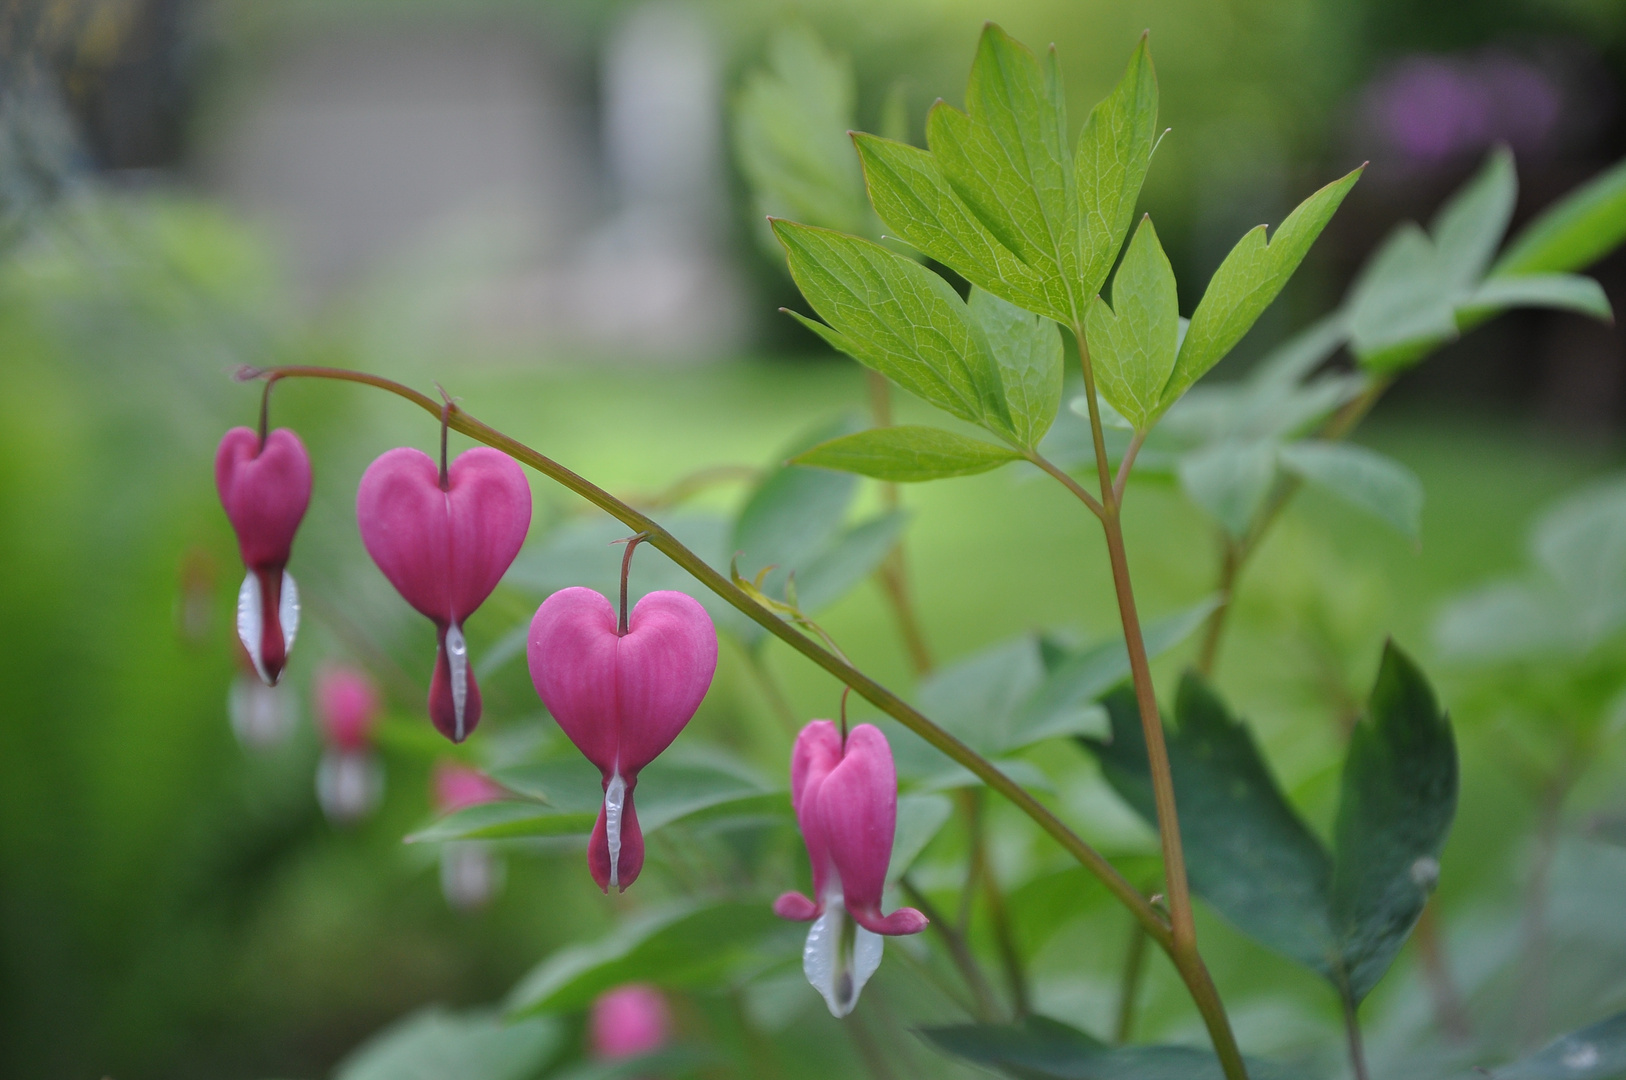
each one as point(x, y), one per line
point(444, 550)
point(621, 699)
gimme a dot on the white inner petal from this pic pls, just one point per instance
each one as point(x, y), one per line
point(615, 797)
point(288, 611)
point(457, 659)
point(839, 957)
point(248, 621)
point(349, 784)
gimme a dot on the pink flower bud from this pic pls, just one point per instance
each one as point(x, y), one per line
point(846, 803)
point(444, 551)
point(347, 707)
point(265, 491)
point(621, 700)
point(456, 786)
point(629, 1021)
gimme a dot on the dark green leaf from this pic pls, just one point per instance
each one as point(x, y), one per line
point(1247, 281)
point(1007, 160)
point(1109, 165)
point(1133, 343)
point(1248, 852)
point(1574, 232)
point(894, 315)
point(434, 1044)
point(1043, 1049)
point(1398, 796)
point(683, 946)
point(1364, 478)
point(908, 454)
point(1027, 350)
point(790, 134)
point(1597, 1052)
point(668, 1064)
point(1230, 480)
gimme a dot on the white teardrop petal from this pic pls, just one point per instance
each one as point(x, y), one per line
point(820, 960)
point(349, 784)
point(288, 612)
point(839, 958)
point(457, 662)
point(615, 797)
point(248, 621)
point(865, 959)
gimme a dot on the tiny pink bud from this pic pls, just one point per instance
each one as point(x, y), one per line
point(629, 1021)
point(347, 707)
point(444, 551)
point(265, 491)
point(456, 786)
point(621, 700)
point(846, 803)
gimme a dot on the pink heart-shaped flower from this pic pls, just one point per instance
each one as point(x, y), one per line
point(265, 491)
point(621, 700)
point(444, 551)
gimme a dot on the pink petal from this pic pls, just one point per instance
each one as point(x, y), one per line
point(628, 1021)
point(264, 492)
point(817, 751)
point(858, 807)
point(664, 667)
point(631, 862)
point(346, 706)
point(572, 650)
point(795, 907)
point(490, 505)
point(456, 786)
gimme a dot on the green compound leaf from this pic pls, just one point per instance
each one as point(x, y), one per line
point(1470, 226)
point(1574, 232)
point(1110, 163)
point(685, 946)
point(1364, 478)
point(1133, 343)
point(908, 454)
point(1247, 281)
point(1039, 1048)
point(1027, 351)
point(1230, 480)
point(1007, 160)
point(850, 559)
point(909, 193)
point(1398, 796)
point(1251, 856)
point(790, 135)
point(1597, 1052)
point(1569, 292)
point(471, 1046)
point(893, 315)
point(793, 514)
point(1402, 306)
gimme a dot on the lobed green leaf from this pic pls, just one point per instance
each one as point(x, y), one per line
point(471, 1046)
point(1364, 478)
point(908, 454)
point(1574, 232)
point(1230, 480)
point(1114, 151)
point(1133, 343)
point(1027, 351)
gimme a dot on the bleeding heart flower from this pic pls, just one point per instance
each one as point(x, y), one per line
point(846, 803)
point(471, 872)
point(347, 707)
point(621, 695)
point(629, 1021)
point(349, 778)
point(261, 715)
point(265, 490)
point(444, 546)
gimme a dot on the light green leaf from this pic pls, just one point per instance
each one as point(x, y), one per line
point(1364, 478)
point(1596, 1052)
point(433, 1044)
point(790, 135)
point(894, 315)
point(908, 454)
point(1247, 281)
point(909, 193)
point(851, 559)
point(1402, 305)
point(510, 819)
point(1007, 160)
point(1294, 359)
point(1469, 227)
point(920, 818)
point(1569, 292)
point(1027, 350)
point(794, 513)
point(1133, 343)
point(1230, 480)
point(1574, 232)
point(1396, 803)
point(683, 946)
point(1109, 165)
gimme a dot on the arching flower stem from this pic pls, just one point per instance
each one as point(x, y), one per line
point(1157, 926)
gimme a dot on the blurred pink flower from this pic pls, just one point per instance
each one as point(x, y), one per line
point(629, 1021)
point(347, 707)
point(444, 550)
point(456, 786)
point(265, 491)
point(1431, 109)
point(621, 700)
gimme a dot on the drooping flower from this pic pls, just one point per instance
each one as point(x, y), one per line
point(846, 803)
point(349, 778)
point(261, 715)
point(265, 490)
point(444, 548)
point(621, 698)
point(629, 1021)
point(471, 872)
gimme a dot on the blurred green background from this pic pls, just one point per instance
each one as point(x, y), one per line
point(535, 204)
